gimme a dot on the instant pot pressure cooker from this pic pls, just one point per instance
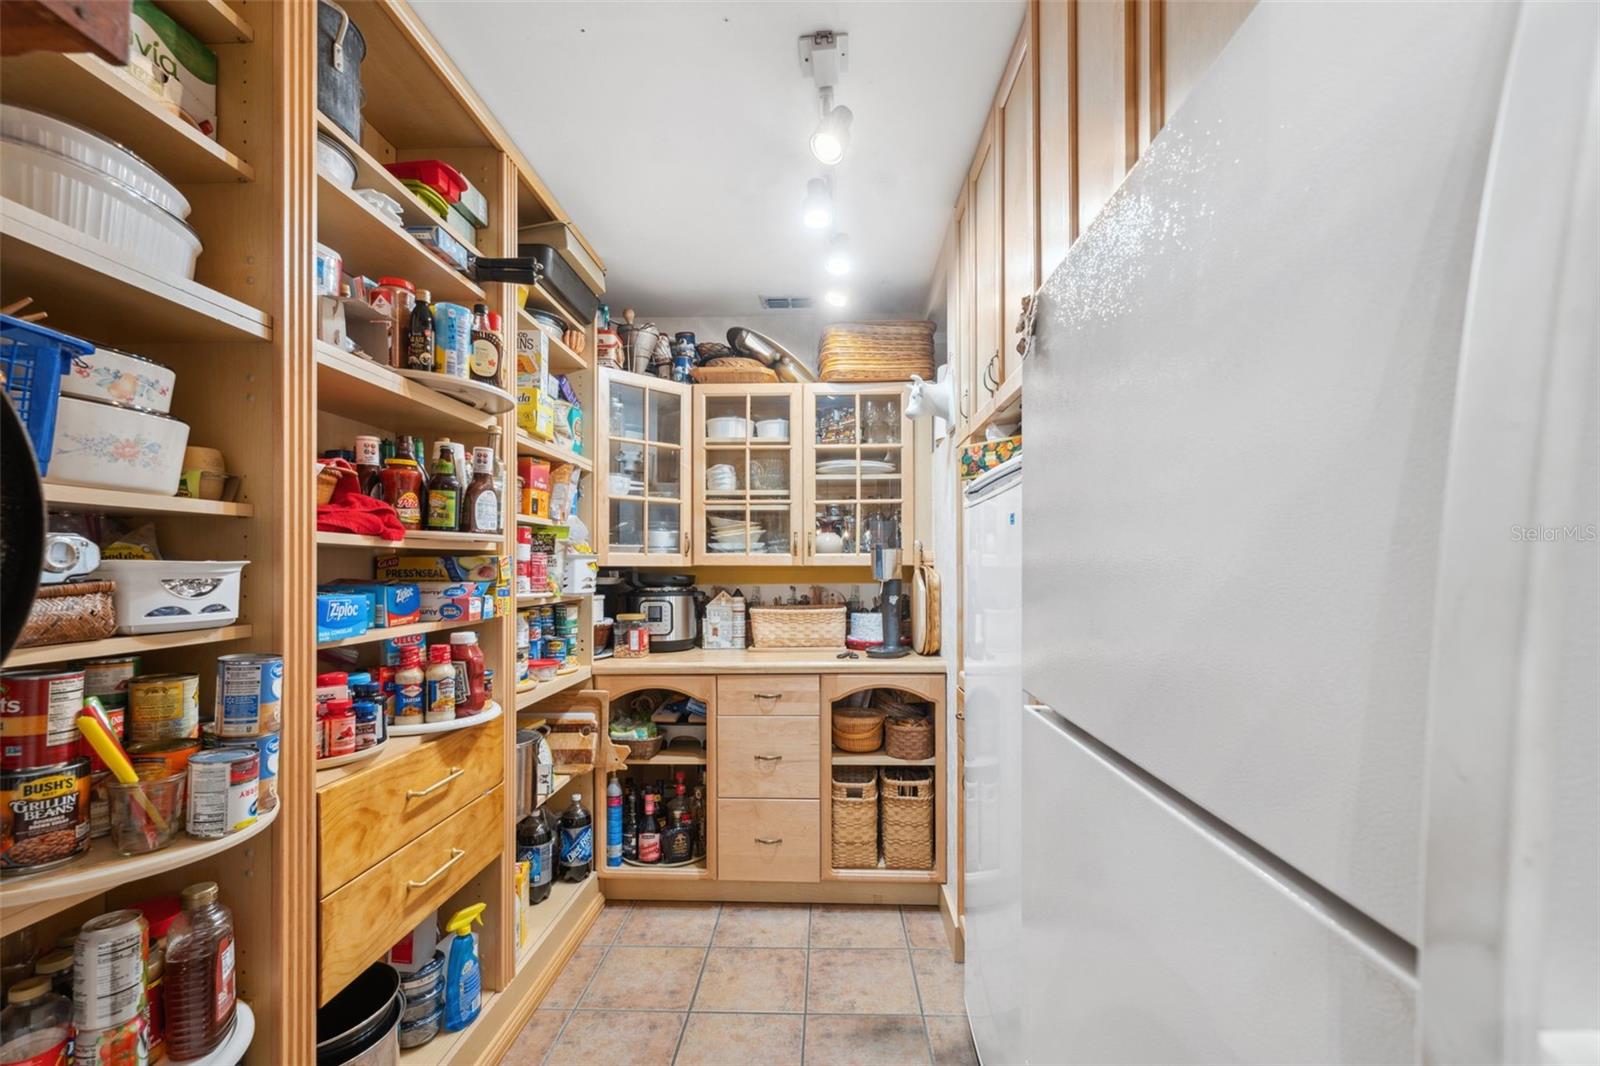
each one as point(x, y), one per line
point(670, 608)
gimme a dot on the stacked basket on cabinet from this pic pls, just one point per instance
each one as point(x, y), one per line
point(888, 811)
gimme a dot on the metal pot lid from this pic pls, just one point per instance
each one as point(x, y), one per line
point(65, 396)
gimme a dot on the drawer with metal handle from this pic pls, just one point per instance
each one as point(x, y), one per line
point(768, 839)
point(364, 918)
point(776, 695)
point(365, 815)
point(776, 758)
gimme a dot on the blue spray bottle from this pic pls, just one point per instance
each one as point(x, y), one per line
point(463, 989)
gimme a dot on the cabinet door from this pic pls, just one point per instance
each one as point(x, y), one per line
point(858, 472)
point(1106, 121)
point(985, 207)
point(1018, 197)
point(644, 486)
point(1057, 197)
point(963, 362)
point(747, 475)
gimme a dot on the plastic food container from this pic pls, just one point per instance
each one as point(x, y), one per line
point(444, 245)
point(445, 179)
point(133, 830)
point(728, 427)
point(162, 595)
point(107, 445)
point(419, 1007)
point(121, 377)
point(424, 981)
point(57, 135)
point(98, 206)
point(335, 162)
point(327, 269)
point(417, 1033)
point(543, 669)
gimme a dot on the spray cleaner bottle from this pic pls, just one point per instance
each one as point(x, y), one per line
point(463, 989)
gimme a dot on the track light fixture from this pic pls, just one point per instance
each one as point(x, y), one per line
point(824, 55)
point(832, 135)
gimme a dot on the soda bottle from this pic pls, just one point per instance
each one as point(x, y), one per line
point(613, 822)
point(577, 842)
point(536, 847)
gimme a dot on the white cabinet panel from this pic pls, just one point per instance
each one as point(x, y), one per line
point(1148, 939)
point(1249, 367)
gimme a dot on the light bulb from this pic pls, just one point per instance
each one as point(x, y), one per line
point(837, 262)
point(832, 136)
point(835, 298)
point(818, 210)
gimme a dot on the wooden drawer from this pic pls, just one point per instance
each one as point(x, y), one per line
point(768, 758)
point(770, 696)
point(768, 839)
point(363, 919)
point(366, 816)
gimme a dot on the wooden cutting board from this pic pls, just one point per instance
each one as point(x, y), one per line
point(924, 603)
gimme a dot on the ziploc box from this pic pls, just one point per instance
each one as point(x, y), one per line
point(173, 64)
point(394, 603)
point(490, 568)
point(341, 616)
point(451, 601)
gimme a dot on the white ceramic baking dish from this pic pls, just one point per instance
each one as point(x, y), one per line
point(121, 377)
point(117, 446)
point(99, 207)
point(93, 151)
point(162, 595)
point(727, 427)
point(335, 162)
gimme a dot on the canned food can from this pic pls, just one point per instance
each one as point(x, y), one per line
point(266, 747)
point(118, 719)
point(163, 707)
point(108, 678)
point(108, 961)
point(162, 758)
point(224, 791)
point(39, 718)
point(44, 817)
point(249, 694)
point(127, 1044)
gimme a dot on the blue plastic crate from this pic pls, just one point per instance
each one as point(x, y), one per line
point(34, 360)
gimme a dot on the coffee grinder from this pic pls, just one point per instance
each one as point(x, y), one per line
point(886, 568)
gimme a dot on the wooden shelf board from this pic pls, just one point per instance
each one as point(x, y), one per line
point(26, 900)
point(416, 540)
point(371, 174)
point(545, 689)
point(670, 757)
point(368, 392)
point(884, 874)
point(874, 758)
point(370, 245)
point(540, 601)
point(92, 290)
point(528, 444)
point(102, 98)
point(393, 748)
point(535, 520)
point(77, 498)
point(442, 1049)
point(696, 872)
point(774, 661)
point(545, 300)
point(557, 783)
point(212, 21)
point(548, 913)
point(563, 360)
point(150, 642)
point(372, 636)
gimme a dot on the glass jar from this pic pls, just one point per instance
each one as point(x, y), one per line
point(632, 637)
point(36, 1025)
point(402, 487)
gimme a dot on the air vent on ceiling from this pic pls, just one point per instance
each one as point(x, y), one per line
point(785, 303)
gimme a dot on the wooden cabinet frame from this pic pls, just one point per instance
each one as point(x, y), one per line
point(610, 437)
point(815, 453)
point(707, 453)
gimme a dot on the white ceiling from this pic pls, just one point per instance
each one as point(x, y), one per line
point(674, 133)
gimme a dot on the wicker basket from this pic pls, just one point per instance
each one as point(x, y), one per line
point(876, 351)
point(641, 750)
point(857, 729)
point(855, 818)
point(907, 802)
point(799, 626)
point(748, 372)
point(65, 614)
point(908, 737)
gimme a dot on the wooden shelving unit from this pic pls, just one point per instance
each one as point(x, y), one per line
point(370, 245)
point(528, 444)
point(213, 21)
point(563, 360)
point(528, 697)
point(359, 389)
point(415, 540)
point(77, 498)
point(373, 636)
point(141, 645)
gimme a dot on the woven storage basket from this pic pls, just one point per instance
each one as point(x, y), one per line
point(65, 614)
point(907, 737)
point(799, 626)
point(876, 351)
point(748, 372)
point(907, 800)
point(640, 750)
point(855, 818)
point(857, 729)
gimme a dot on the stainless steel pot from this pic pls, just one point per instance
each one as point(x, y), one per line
point(375, 1001)
point(527, 771)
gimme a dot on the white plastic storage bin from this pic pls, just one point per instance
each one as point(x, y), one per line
point(162, 595)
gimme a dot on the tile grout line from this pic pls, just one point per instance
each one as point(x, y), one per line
point(805, 1001)
point(683, 1027)
point(605, 953)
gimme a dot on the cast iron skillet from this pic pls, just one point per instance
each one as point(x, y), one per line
point(21, 526)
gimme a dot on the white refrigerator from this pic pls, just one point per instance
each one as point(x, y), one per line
point(992, 617)
point(1308, 597)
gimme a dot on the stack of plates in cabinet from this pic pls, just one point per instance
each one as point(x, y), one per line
point(722, 478)
point(852, 466)
point(735, 535)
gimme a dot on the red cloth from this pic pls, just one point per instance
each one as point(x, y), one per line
point(351, 512)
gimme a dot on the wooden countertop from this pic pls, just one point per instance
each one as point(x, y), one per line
point(796, 661)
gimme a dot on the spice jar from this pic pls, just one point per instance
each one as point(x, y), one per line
point(632, 637)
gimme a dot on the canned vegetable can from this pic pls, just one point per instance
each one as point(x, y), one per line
point(44, 817)
point(224, 791)
point(249, 694)
point(39, 718)
point(163, 707)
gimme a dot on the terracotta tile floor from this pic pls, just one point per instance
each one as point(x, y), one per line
point(729, 984)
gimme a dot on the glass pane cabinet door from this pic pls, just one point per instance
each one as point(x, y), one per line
point(645, 491)
point(747, 474)
point(858, 472)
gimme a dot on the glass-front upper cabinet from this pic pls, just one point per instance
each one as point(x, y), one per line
point(747, 474)
point(644, 490)
point(857, 472)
